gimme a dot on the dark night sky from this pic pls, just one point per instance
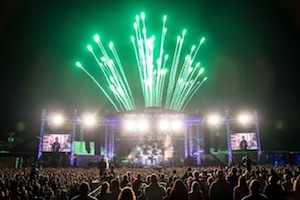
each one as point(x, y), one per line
point(250, 55)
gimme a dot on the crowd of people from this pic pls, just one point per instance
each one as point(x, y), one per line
point(170, 183)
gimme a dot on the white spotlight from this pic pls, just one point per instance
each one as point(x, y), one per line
point(143, 125)
point(214, 119)
point(177, 125)
point(129, 125)
point(244, 118)
point(89, 120)
point(58, 119)
point(164, 125)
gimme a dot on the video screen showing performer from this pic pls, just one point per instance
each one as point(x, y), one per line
point(57, 143)
point(243, 144)
point(243, 141)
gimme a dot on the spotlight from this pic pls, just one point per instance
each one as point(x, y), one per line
point(177, 125)
point(57, 119)
point(129, 125)
point(164, 125)
point(244, 118)
point(214, 119)
point(89, 120)
point(143, 125)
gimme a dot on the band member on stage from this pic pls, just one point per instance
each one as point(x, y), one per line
point(56, 145)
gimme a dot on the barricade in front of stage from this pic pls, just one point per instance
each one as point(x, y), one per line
point(88, 160)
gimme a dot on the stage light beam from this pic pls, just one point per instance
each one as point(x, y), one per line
point(244, 118)
point(129, 125)
point(143, 125)
point(164, 125)
point(177, 125)
point(214, 119)
point(89, 120)
point(58, 119)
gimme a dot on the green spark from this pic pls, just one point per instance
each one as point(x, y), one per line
point(169, 83)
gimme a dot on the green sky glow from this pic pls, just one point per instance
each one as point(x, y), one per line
point(169, 83)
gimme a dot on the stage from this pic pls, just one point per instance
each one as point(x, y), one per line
point(148, 137)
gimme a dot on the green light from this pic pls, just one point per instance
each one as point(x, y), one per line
point(143, 15)
point(99, 86)
point(202, 40)
point(153, 64)
point(78, 64)
point(193, 48)
point(201, 70)
point(89, 47)
point(120, 91)
point(96, 38)
point(111, 79)
point(111, 45)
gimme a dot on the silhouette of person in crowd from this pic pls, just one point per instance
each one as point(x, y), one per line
point(220, 189)
point(84, 190)
point(102, 167)
point(179, 191)
point(154, 191)
point(127, 194)
point(255, 192)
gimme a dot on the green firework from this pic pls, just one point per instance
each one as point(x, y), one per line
point(169, 83)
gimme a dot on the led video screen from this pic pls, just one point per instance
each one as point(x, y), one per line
point(243, 141)
point(57, 142)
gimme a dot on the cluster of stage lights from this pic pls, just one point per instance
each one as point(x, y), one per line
point(168, 81)
point(143, 125)
point(216, 119)
point(86, 120)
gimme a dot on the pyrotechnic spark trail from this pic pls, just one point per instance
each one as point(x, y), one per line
point(182, 82)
